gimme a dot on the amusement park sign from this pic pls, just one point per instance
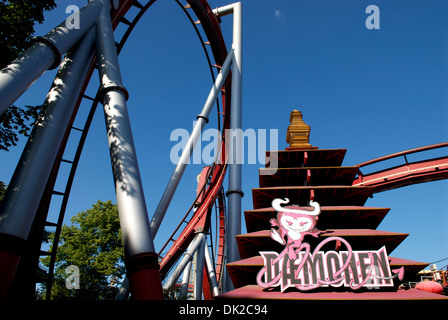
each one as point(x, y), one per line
point(296, 266)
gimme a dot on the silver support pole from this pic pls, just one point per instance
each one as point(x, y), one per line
point(211, 273)
point(131, 203)
point(123, 290)
point(44, 54)
point(187, 257)
point(186, 155)
point(199, 270)
point(202, 119)
point(234, 192)
point(33, 170)
point(183, 292)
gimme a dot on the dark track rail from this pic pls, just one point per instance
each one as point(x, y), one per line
point(215, 47)
point(408, 173)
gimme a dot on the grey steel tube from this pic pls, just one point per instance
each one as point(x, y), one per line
point(123, 291)
point(234, 192)
point(211, 273)
point(187, 257)
point(140, 257)
point(185, 281)
point(43, 55)
point(199, 270)
point(191, 143)
point(128, 186)
point(31, 175)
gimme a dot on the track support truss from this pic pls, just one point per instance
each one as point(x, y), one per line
point(31, 188)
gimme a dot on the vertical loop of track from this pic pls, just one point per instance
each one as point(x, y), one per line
point(211, 28)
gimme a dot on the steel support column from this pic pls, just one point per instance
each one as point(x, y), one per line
point(202, 119)
point(199, 269)
point(211, 273)
point(33, 170)
point(44, 54)
point(187, 257)
point(140, 257)
point(234, 192)
point(183, 292)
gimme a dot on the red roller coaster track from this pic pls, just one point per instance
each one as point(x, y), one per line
point(212, 191)
point(212, 177)
point(408, 173)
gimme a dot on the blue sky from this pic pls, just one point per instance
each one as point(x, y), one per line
point(373, 92)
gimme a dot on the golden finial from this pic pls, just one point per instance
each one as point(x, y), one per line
point(298, 133)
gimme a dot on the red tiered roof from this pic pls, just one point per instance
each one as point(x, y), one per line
point(301, 176)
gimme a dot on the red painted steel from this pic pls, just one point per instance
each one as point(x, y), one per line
point(404, 153)
point(249, 244)
point(220, 249)
point(343, 217)
point(210, 24)
point(189, 232)
point(244, 272)
point(405, 174)
point(220, 256)
point(203, 223)
point(325, 195)
point(7, 271)
point(212, 29)
point(256, 292)
point(307, 174)
point(313, 175)
point(310, 158)
point(146, 285)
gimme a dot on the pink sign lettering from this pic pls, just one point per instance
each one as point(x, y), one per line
point(296, 266)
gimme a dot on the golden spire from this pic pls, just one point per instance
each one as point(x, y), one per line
point(298, 134)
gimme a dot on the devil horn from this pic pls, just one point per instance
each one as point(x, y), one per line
point(276, 204)
point(316, 207)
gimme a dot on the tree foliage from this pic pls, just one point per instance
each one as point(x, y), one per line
point(92, 243)
point(17, 20)
point(3, 188)
point(14, 122)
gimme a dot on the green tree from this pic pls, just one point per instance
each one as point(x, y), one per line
point(17, 20)
point(3, 188)
point(92, 243)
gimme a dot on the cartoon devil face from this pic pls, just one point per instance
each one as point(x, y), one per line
point(295, 224)
point(294, 220)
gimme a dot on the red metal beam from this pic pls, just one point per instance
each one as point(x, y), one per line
point(257, 292)
point(335, 217)
point(244, 272)
point(210, 24)
point(405, 174)
point(187, 235)
point(404, 153)
point(249, 244)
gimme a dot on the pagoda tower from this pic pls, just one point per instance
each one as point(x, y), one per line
point(306, 173)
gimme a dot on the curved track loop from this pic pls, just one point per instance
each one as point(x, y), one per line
point(201, 219)
point(204, 223)
point(406, 174)
point(221, 234)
